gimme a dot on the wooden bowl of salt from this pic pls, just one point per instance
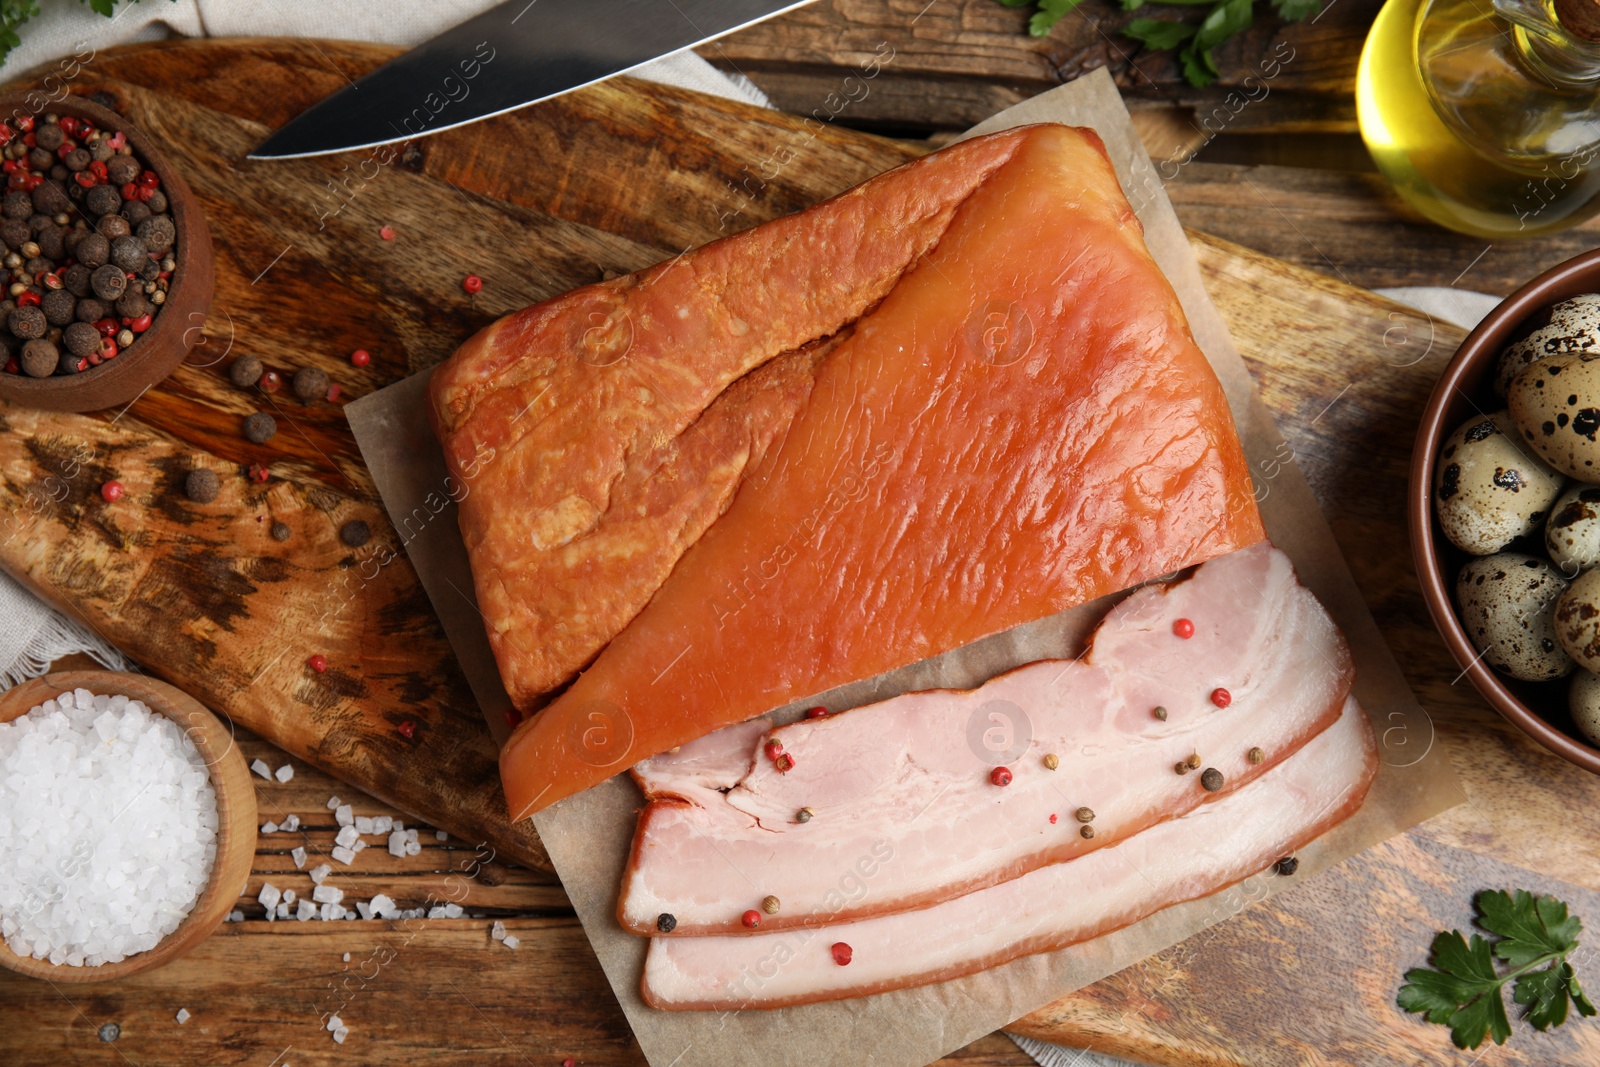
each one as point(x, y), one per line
point(235, 808)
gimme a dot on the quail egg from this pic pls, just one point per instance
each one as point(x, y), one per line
point(1572, 534)
point(1583, 699)
point(1507, 602)
point(1488, 488)
point(1570, 326)
point(1555, 404)
point(1578, 619)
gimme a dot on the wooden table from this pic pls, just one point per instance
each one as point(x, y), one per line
point(257, 990)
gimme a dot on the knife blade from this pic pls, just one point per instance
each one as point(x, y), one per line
point(515, 54)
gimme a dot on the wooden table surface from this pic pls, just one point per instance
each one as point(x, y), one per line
point(1283, 175)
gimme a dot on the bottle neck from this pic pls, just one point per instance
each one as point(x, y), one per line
point(1557, 41)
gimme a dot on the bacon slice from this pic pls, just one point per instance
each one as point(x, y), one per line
point(1023, 423)
point(1202, 852)
point(721, 830)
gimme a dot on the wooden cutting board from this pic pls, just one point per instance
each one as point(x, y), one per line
point(611, 179)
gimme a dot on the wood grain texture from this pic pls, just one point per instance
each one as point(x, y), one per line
point(1344, 372)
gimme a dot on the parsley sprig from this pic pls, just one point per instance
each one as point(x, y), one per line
point(1193, 40)
point(13, 13)
point(1463, 989)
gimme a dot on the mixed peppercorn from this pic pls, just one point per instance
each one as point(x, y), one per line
point(89, 245)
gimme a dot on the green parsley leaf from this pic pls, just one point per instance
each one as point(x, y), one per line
point(1159, 33)
point(1296, 10)
point(1050, 12)
point(1463, 990)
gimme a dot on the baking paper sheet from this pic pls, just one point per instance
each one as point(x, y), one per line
point(588, 835)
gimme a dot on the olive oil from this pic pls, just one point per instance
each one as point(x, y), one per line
point(1486, 119)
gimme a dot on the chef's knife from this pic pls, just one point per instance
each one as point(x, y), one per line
point(518, 53)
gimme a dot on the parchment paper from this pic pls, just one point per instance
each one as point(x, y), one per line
point(588, 835)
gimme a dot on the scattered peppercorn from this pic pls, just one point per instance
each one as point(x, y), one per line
point(201, 485)
point(842, 953)
point(1000, 776)
point(1052, 818)
point(804, 815)
point(1183, 628)
point(1051, 761)
point(1161, 713)
point(751, 919)
point(472, 284)
point(386, 232)
point(1182, 766)
point(407, 729)
point(772, 749)
point(281, 532)
point(355, 533)
point(111, 492)
point(270, 381)
point(666, 922)
point(1086, 831)
point(784, 763)
point(259, 473)
point(1084, 815)
point(360, 357)
point(1221, 697)
point(513, 718)
point(1255, 755)
point(1286, 866)
point(310, 383)
point(318, 663)
point(1194, 761)
point(1211, 779)
point(109, 1032)
point(816, 713)
point(245, 371)
point(260, 428)
point(770, 905)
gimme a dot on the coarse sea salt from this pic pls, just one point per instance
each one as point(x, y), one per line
point(260, 767)
point(284, 773)
point(183, 1016)
point(108, 825)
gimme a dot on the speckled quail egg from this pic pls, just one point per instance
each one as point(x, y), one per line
point(1583, 699)
point(1578, 619)
point(1555, 404)
point(1489, 489)
point(1568, 327)
point(1507, 602)
point(1572, 533)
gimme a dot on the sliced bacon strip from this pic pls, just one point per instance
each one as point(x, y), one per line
point(721, 830)
point(1197, 854)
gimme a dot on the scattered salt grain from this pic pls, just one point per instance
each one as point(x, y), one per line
point(346, 836)
point(305, 910)
point(290, 823)
point(397, 844)
point(299, 857)
point(284, 773)
point(334, 1023)
point(344, 815)
point(440, 835)
point(358, 846)
point(331, 912)
point(183, 1016)
point(327, 894)
point(363, 909)
point(343, 855)
point(235, 916)
point(413, 848)
point(498, 930)
point(269, 827)
point(288, 896)
point(511, 941)
point(108, 825)
point(261, 768)
point(333, 803)
point(364, 824)
point(270, 895)
point(340, 1034)
point(436, 912)
point(382, 824)
point(453, 911)
point(382, 906)
point(347, 957)
point(321, 871)
point(282, 910)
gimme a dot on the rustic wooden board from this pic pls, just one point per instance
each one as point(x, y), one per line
point(199, 595)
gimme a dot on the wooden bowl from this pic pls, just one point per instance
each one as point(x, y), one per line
point(236, 815)
point(1465, 389)
point(174, 331)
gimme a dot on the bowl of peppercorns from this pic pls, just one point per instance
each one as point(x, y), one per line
point(106, 272)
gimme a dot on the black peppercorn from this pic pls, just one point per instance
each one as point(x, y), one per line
point(58, 306)
point(40, 358)
point(48, 136)
point(1211, 779)
point(132, 304)
point(260, 428)
point(91, 310)
point(157, 201)
point(157, 232)
point(94, 251)
point(149, 270)
point(1286, 866)
point(103, 200)
point(310, 383)
point(50, 199)
point(35, 266)
point(27, 323)
point(17, 205)
point(101, 151)
point(281, 531)
point(78, 159)
point(81, 338)
point(135, 211)
point(40, 160)
point(52, 242)
point(122, 169)
point(15, 233)
point(245, 371)
point(666, 922)
point(71, 364)
point(112, 226)
point(128, 252)
point(108, 282)
point(355, 533)
point(201, 485)
point(60, 173)
point(38, 221)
